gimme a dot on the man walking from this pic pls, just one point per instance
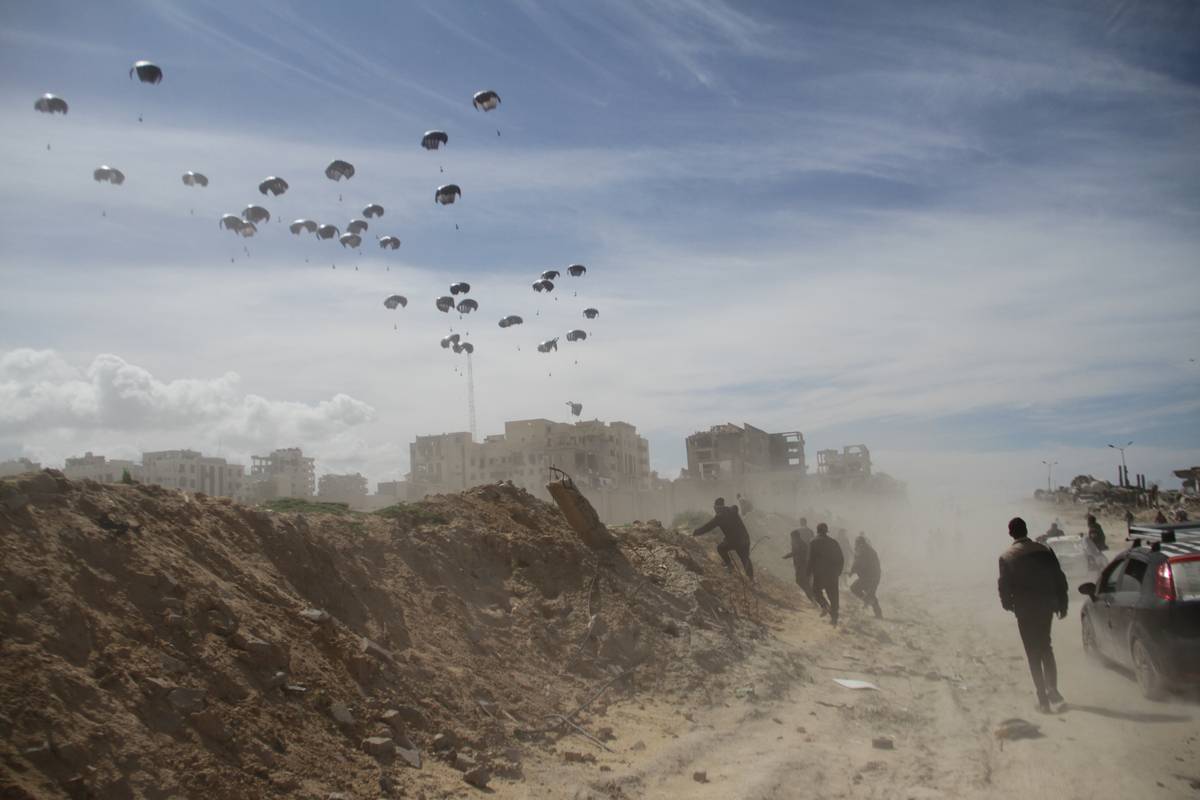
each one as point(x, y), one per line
point(866, 567)
point(1033, 587)
point(825, 564)
point(736, 537)
point(801, 537)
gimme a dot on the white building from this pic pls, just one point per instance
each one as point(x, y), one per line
point(286, 472)
point(349, 489)
point(98, 468)
point(18, 466)
point(192, 472)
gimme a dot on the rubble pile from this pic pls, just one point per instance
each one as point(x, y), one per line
point(158, 644)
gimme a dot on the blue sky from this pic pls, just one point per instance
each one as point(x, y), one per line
point(961, 232)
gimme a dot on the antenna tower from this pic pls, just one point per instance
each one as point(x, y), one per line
point(471, 397)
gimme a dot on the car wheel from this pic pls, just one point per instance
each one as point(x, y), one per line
point(1146, 670)
point(1091, 648)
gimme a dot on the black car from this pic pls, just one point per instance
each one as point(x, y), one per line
point(1143, 611)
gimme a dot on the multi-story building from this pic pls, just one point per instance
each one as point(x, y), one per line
point(853, 462)
point(192, 472)
point(596, 454)
point(18, 466)
point(733, 451)
point(99, 468)
point(286, 472)
point(348, 489)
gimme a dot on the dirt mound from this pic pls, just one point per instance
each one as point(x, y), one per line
point(159, 645)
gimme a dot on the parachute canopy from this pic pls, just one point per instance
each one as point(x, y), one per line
point(107, 174)
point(464, 347)
point(389, 242)
point(543, 285)
point(338, 169)
point(256, 214)
point(50, 104)
point(467, 306)
point(450, 340)
point(231, 222)
point(548, 345)
point(576, 335)
point(327, 231)
point(444, 304)
point(147, 72)
point(350, 240)
point(462, 287)
point(274, 185)
point(576, 408)
point(246, 229)
point(396, 300)
point(372, 211)
point(357, 226)
point(486, 100)
point(447, 194)
point(432, 140)
point(194, 179)
point(576, 270)
point(510, 320)
point(550, 275)
point(591, 313)
point(303, 225)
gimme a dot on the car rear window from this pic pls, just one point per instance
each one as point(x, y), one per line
point(1187, 579)
point(1067, 547)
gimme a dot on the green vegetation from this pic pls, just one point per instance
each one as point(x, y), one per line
point(126, 478)
point(412, 513)
point(690, 519)
point(294, 505)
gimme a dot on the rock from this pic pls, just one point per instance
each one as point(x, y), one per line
point(316, 615)
point(155, 688)
point(386, 784)
point(700, 776)
point(15, 501)
point(173, 603)
point(186, 700)
point(368, 647)
point(337, 796)
point(409, 755)
point(445, 741)
point(572, 757)
point(261, 652)
point(211, 725)
point(277, 681)
point(463, 763)
point(638, 746)
point(341, 714)
point(478, 777)
point(411, 716)
point(883, 743)
point(379, 746)
point(606, 734)
point(294, 688)
point(171, 664)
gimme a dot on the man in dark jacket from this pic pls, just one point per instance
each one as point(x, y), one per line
point(799, 555)
point(866, 567)
point(1033, 587)
point(825, 564)
point(1096, 533)
point(736, 537)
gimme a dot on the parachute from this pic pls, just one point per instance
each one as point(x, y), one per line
point(432, 140)
point(350, 240)
point(256, 214)
point(543, 285)
point(447, 194)
point(450, 341)
point(327, 231)
point(550, 275)
point(246, 230)
point(460, 288)
point(444, 304)
point(576, 335)
point(548, 345)
point(50, 104)
point(467, 306)
point(464, 347)
point(339, 169)
point(194, 179)
point(147, 72)
point(372, 211)
point(389, 242)
point(396, 300)
point(107, 174)
point(486, 100)
point(510, 320)
point(231, 222)
point(576, 270)
point(303, 225)
point(591, 313)
point(357, 226)
point(576, 408)
point(275, 186)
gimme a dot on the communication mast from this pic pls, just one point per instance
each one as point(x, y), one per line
point(471, 397)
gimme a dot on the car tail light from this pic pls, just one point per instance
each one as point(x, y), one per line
point(1164, 582)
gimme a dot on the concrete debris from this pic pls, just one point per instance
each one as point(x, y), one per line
point(445, 741)
point(341, 714)
point(700, 776)
point(316, 615)
point(883, 743)
point(478, 777)
point(380, 747)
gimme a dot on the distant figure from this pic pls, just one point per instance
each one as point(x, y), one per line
point(1033, 587)
point(844, 543)
point(825, 565)
point(745, 505)
point(1095, 533)
point(866, 567)
point(801, 537)
point(1128, 517)
point(736, 537)
point(1160, 518)
point(1051, 532)
point(1181, 515)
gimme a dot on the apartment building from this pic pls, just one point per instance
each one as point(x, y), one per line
point(98, 468)
point(18, 466)
point(191, 471)
point(733, 451)
point(349, 489)
point(286, 472)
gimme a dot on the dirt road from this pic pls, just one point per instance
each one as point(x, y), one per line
point(949, 672)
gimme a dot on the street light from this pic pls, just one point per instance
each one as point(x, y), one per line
point(1049, 469)
point(1124, 469)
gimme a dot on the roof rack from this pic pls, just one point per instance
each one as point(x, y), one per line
point(1174, 539)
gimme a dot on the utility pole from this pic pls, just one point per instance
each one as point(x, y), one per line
point(471, 397)
point(1049, 470)
point(1124, 470)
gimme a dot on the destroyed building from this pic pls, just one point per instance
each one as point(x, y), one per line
point(733, 451)
point(350, 489)
point(286, 472)
point(852, 463)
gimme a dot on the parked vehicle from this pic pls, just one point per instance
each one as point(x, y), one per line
point(1143, 611)
point(1073, 556)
